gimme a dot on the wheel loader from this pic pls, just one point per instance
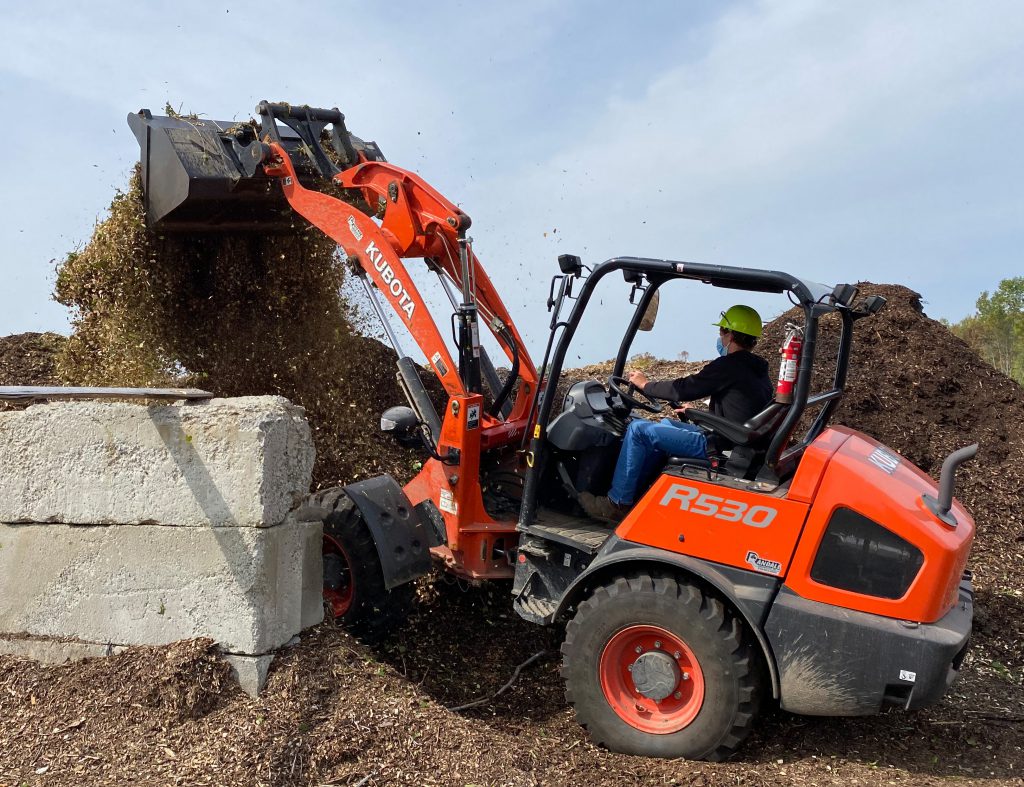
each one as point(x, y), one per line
point(810, 566)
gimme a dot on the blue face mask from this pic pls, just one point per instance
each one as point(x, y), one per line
point(721, 347)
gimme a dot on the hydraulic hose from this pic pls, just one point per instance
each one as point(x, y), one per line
point(513, 375)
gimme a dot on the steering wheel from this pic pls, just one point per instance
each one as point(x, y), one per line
point(615, 384)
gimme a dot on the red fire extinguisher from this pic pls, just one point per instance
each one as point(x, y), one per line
point(790, 353)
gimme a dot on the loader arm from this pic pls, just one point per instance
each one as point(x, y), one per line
point(418, 222)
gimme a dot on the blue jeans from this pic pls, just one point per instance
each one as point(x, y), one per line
point(645, 446)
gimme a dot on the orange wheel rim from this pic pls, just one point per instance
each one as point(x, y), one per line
point(340, 598)
point(667, 692)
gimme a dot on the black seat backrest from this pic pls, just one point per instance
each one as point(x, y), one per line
point(750, 433)
point(766, 421)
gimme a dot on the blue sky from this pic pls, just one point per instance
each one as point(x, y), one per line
point(839, 141)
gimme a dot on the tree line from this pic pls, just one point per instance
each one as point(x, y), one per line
point(996, 329)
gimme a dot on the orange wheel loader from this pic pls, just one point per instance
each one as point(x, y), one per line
point(810, 565)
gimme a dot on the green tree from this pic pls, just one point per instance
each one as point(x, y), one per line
point(996, 330)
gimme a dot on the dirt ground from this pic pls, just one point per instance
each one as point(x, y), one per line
point(342, 712)
point(339, 712)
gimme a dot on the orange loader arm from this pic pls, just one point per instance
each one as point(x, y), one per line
point(418, 222)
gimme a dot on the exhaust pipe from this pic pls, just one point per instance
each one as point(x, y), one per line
point(941, 506)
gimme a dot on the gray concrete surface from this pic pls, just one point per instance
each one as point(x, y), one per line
point(125, 524)
point(242, 462)
point(250, 671)
point(246, 588)
point(55, 651)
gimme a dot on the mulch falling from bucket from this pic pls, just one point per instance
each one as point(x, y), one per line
point(237, 314)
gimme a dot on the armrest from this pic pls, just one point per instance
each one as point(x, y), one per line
point(737, 433)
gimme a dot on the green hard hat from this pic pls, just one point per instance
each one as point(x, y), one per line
point(741, 319)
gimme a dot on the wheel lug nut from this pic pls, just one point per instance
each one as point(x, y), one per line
point(676, 655)
point(686, 676)
point(678, 695)
point(639, 649)
point(630, 667)
point(657, 643)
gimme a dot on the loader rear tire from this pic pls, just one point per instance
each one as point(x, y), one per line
point(658, 667)
point(354, 591)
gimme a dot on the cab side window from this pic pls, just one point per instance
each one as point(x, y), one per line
point(859, 555)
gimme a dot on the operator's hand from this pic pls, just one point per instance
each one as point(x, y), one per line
point(639, 379)
point(681, 412)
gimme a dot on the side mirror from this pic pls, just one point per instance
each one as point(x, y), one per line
point(869, 306)
point(843, 294)
point(570, 264)
point(401, 422)
point(873, 304)
point(651, 312)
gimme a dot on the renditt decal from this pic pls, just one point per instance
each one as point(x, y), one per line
point(762, 564)
point(440, 365)
point(447, 502)
point(696, 502)
point(354, 228)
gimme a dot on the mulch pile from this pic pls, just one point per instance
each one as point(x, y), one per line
point(30, 358)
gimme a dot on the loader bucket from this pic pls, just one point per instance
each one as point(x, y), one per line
point(203, 175)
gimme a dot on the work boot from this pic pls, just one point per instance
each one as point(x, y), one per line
point(602, 507)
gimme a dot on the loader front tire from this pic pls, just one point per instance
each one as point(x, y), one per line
point(658, 667)
point(354, 591)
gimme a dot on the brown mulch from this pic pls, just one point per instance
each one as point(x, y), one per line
point(30, 358)
point(339, 712)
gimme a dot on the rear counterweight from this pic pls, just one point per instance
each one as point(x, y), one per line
point(840, 662)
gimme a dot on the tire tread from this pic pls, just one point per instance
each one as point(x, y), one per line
point(718, 617)
point(375, 610)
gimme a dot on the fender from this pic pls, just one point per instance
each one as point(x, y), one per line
point(750, 593)
point(401, 536)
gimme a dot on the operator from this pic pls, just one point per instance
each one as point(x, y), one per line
point(737, 383)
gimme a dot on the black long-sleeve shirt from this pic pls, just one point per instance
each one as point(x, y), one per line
point(737, 383)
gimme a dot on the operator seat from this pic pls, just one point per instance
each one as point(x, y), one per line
point(749, 439)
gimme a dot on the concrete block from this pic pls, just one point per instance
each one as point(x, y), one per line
point(250, 671)
point(223, 462)
point(249, 589)
point(312, 573)
point(55, 651)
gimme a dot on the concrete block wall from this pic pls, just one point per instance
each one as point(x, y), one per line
point(125, 524)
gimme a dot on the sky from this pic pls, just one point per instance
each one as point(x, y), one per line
point(873, 141)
